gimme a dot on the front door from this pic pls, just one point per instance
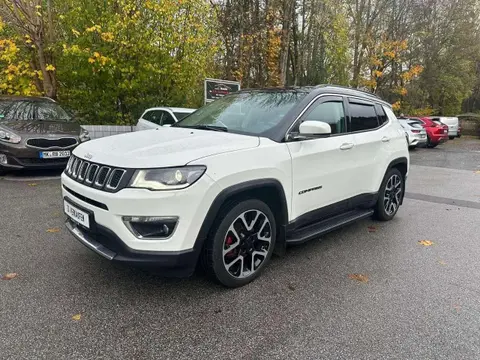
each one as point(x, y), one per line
point(322, 168)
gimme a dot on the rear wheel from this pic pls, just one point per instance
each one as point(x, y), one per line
point(412, 147)
point(451, 137)
point(390, 195)
point(241, 243)
point(430, 144)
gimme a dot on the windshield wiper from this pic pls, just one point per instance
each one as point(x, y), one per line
point(208, 127)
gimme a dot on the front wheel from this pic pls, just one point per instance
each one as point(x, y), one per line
point(241, 243)
point(390, 195)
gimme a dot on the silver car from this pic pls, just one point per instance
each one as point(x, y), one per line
point(416, 134)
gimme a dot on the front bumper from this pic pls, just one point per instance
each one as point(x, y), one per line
point(20, 157)
point(107, 210)
point(107, 244)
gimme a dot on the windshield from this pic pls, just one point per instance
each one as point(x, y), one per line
point(248, 113)
point(31, 110)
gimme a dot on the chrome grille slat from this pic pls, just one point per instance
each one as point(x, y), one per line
point(115, 177)
point(83, 170)
point(92, 173)
point(101, 177)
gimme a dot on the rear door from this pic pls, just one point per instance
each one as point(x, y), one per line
point(369, 125)
point(322, 168)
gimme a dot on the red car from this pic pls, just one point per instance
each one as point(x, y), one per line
point(436, 133)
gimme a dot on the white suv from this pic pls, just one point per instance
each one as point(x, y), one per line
point(237, 180)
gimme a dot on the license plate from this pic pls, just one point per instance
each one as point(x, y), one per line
point(77, 215)
point(54, 154)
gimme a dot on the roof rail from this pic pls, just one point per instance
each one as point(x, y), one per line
point(349, 88)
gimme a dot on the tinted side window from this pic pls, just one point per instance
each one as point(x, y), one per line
point(167, 119)
point(382, 117)
point(147, 116)
point(331, 112)
point(154, 116)
point(362, 117)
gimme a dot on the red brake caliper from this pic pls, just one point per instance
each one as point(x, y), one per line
point(229, 242)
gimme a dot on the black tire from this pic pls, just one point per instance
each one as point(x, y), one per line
point(430, 144)
point(412, 147)
point(459, 136)
point(3, 172)
point(381, 212)
point(213, 257)
point(451, 137)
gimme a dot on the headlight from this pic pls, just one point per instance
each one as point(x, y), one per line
point(84, 135)
point(168, 178)
point(9, 137)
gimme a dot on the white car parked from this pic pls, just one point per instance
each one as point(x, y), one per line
point(242, 177)
point(451, 122)
point(416, 134)
point(161, 116)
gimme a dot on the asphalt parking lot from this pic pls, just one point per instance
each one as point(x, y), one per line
point(413, 301)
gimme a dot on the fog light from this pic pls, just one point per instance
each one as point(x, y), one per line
point(151, 227)
point(3, 159)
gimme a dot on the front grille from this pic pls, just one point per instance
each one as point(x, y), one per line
point(62, 143)
point(38, 161)
point(94, 175)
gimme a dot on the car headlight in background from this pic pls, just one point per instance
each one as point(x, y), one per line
point(84, 135)
point(9, 137)
point(167, 178)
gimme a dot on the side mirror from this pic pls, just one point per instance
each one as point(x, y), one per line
point(312, 129)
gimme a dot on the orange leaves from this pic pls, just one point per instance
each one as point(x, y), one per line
point(426, 242)
point(53, 230)
point(358, 277)
point(77, 317)
point(8, 276)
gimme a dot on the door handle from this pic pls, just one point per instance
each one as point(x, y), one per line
point(346, 146)
point(385, 139)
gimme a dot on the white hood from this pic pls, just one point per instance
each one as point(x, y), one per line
point(162, 147)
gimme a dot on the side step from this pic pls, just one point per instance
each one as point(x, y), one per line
point(316, 230)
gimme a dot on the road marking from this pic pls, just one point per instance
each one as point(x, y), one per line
point(442, 200)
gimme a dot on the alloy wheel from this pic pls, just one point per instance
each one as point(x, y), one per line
point(247, 244)
point(393, 194)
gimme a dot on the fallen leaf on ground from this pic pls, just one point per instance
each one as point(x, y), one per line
point(53, 230)
point(9, 276)
point(457, 307)
point(291, 287)
point(32, 184)
point(372, 229)
point(359, 277)
point(426, 242)
point(77, 317)
point(441, 262)
point(477, 172)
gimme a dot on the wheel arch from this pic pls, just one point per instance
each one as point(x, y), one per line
point(268, 190)
point(402, 165)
